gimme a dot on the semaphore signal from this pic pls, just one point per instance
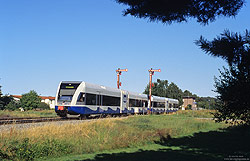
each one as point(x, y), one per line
point(119, 72)
point(151, 72)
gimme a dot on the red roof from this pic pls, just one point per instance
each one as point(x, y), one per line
point(42, 97)
point(16, 96)
point(47, 97)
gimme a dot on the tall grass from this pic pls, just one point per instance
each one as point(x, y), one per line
point(88, 137)
point(198, 113)
point(30, 113)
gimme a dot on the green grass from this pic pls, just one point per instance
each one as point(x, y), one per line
point(115, 139)
point(30, 113)
point(207, 144)
point(197, 114)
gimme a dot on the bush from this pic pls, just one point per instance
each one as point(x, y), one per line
point(12, 106)
point(189, 107)
point(30, 100)
point(5, 100)
point(43, 106)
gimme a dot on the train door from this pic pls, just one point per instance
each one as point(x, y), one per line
point(124, 102)
point(99, 102)
point(166, 106)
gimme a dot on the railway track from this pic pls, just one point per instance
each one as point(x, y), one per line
point(19, 120)
point(24, 120)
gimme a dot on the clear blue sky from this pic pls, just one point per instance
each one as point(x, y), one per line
point(43, 42)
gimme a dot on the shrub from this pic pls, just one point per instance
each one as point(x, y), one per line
point(4, 100)
point(30, 100)
point(43, 106)
point(189, 107)
point(12, 106)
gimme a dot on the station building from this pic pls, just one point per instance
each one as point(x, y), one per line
point(188, 100)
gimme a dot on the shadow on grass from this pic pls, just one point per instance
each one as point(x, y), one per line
point(227, 144)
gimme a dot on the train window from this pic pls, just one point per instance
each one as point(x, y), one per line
point(90, 99)
point(158, 104)
point(110, 101)
point(132, 103)
point(81, 99)
point(135, 103)
point(65, 98)
point(161, 104)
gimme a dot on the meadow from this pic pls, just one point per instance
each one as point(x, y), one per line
point(30, 113)
point(111, 138)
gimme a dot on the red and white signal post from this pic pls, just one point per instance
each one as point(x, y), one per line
point(151, 72)
point(119, 72)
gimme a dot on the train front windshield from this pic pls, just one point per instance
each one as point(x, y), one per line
point(67, 91)
point(65, 98)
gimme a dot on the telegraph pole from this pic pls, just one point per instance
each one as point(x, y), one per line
point(119, 72)
point(151, 73)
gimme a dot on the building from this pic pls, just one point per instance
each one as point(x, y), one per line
point(46, 99)
point(188, 100)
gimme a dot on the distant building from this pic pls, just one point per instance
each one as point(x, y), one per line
point(187, 100)
point(46, 99)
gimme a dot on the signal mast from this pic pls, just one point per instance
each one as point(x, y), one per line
point(151, 73)
point(119, 72)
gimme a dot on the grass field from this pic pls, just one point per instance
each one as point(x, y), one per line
point(181, 136)
point(31, 113)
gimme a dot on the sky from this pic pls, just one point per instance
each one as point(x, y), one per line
point(44, 42)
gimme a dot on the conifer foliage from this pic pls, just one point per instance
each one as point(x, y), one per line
point(233, 85)
point(168, 11)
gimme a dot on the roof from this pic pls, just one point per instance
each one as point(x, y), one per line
point(16, 96)
point(42, 97)
point(47, 97)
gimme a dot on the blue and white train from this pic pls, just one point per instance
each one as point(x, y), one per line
point(84, 99)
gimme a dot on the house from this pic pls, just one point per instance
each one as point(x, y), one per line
point(46, 99)
point(187, 100)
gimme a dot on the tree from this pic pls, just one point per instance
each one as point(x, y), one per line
point(30, 100)
point(163, 89)
point(168, 11)
point(1, 101)
point(189, 107)
point(187, 93)
point(233, 85)
point(207, 102)
point(43, 106)
point(159, 88)
point(4, 100)
point(12, 105)
point(1, 91)
point(175, 92)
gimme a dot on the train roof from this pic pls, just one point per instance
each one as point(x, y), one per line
point(171, 100)
point(158, 99)
point(135, 95)
point(71, 82)
point(100, 89)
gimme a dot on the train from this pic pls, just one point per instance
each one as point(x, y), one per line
point(84, 99)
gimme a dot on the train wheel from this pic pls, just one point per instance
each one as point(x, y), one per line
point(83, 117)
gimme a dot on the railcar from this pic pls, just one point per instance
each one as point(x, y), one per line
point(84, 99)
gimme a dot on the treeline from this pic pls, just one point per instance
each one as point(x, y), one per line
point(163, 88)
point(28, 101)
